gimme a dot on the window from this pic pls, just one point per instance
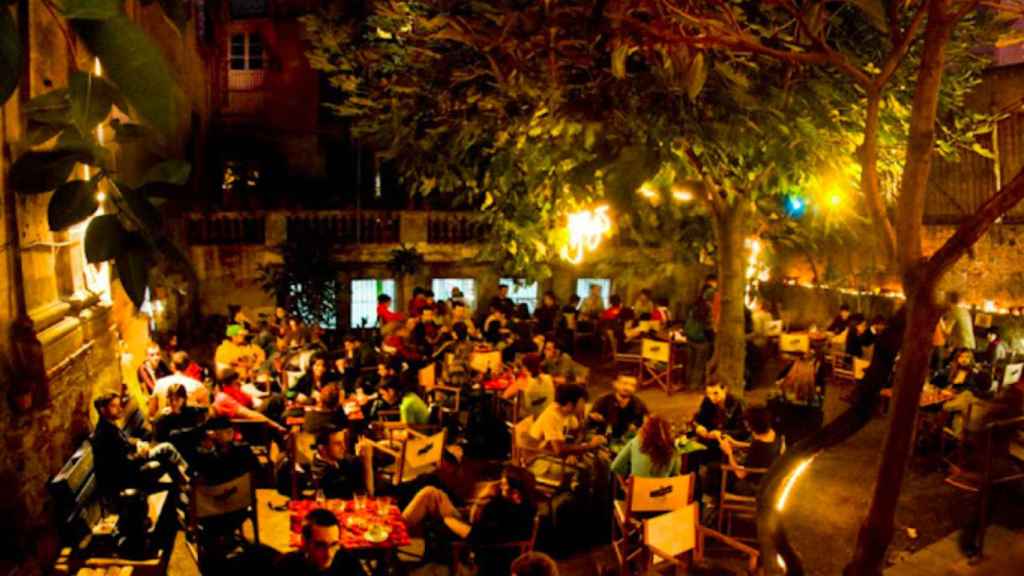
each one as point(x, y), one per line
point(521, 293)
point(364, 300)
point(246, 51)
point(583, 288)
point(442, 288)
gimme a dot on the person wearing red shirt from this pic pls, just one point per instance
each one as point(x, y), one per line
point(612, 313)
point(232, 402)
point(384, 314)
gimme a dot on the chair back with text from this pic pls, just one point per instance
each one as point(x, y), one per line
point(794, 343)
point(658, 494)
point(420, 454)
point(656, 364)
point(236, 496)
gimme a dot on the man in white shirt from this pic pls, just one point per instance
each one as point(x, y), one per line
point(198, 395)
point(550, 430)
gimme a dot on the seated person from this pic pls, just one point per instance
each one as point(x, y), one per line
point(496, 331)
point(720, 415)
point(460, 314)
point(334, 471)
point(320, 554)
point(550, 431)
point(427, 332)
point(232, 402)
point(959, 373)
point(179, 423)
point(857, 336)
point(222, 458)
point(651, 453)
point(841, 322)
point(457, 370)
point(305, 390)
point(764, 449)
point(614, 309)
point(237, 353)
point(119, 460)
point(619, 412)
point(152, 368)
point(503, 512)
point(412, 409)
point(327, 413)
point(387, 399)
point(560, 366)
point(538, 394)
point(547, 314)
point(195, 389)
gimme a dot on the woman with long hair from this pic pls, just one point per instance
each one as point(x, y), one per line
point(651, 453)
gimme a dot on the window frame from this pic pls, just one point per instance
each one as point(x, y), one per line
point(583, 288)
point(356, 306)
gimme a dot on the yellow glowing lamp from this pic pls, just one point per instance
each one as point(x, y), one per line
point(586, 230)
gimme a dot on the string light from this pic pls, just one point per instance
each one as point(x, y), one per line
point(586, 230)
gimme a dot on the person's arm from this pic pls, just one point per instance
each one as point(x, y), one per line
point(727, 450)
point(243, 413)
point(561, 448)
point(154, 406)
point(623, 463)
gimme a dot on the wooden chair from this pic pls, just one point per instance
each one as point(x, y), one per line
point(301, 448)
point(656, 365)
point(643, 497)
point(678, 539)
point(234, 497)
point(731, 503)
point(417, 454)
point(548, 483)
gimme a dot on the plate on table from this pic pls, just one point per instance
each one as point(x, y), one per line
point(377, 534)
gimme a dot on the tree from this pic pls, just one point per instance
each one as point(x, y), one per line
point(541, 108)
point(60, 135)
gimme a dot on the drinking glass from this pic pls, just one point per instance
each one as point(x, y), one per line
point(383, 505)
point(360, 502)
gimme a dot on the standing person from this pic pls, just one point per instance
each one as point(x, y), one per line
point(547, 313)
point(841, 322)
point(502, 302)
point(857, 336)
point(152, 368)
point(996, 349)
point(457, 296)
point(417, 302)
point(459, 314)
point(650, 454)
point(320, 554)
point(387, 319)
point(593, 305)
point(959, 326)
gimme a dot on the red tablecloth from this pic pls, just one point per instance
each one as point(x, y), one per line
point(352, 531)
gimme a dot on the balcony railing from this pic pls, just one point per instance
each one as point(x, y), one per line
point(345, 227)
point(226, 228)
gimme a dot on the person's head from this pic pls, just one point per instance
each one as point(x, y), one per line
point(534, 564)
point(758, 419)
point(568, 398)
point(331, 443)
point(953, 297)
point(615, 301)
point(574, 300)
point(711, 280)
point(351, 342)
point(281, 344)
point(878, 323)
point(177, 397)
point(624, 387)
point(992, 334)
point(321, 538)
point(237, 333)
point(656, 441)
point(230, 378)
point(221, 431)
point(329, 397)
point(550, 350)
point(280, 314)
point(714, 390)
point(179, 361)
point(549, 298)
point(387, 367)
point(502, 290)
point(384, 299)
point(458, 310)
point(517, 485)
point(859, 323)
point(293, 323)
point(645, 294)
point(844, 311)
point(319, 367)
point(428, 295)
point(595, 290)
point(456, 292)
point(497, 311)
point(427, 314)
point(461, 331)
point(153, 354)
point(964, 357)
point(109, 406)
point(388, 390)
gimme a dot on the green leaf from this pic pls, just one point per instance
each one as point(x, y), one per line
point(176, 12)
point(35, 172)
point(875, 11)
point(137, 67)
point(53, 107)
point(133, 268)
point(103, 238)
point(695, 76)
point(72, 202)
point(141, 208)
point(36, 133)
point(91, 9)
point(92, 98)
point(73, 140)
point(170, 172)
point(128, 132)
point(732, 75)
point(982, 151)
point(10, 54)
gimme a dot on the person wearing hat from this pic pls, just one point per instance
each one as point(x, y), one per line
point(221, 458)
point(237, 353)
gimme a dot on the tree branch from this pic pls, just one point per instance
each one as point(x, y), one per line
point(902, 46)
point(972, 229)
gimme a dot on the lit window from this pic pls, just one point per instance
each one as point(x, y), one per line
point(583, 288)
point(442, 288)
point(246, 51)
point(521, 293)
point(364, 300)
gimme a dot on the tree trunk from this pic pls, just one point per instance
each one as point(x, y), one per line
point(730, 337)
point(869, 180)
point(911, 371)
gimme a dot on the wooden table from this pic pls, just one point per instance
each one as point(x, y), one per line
point(354, 523)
